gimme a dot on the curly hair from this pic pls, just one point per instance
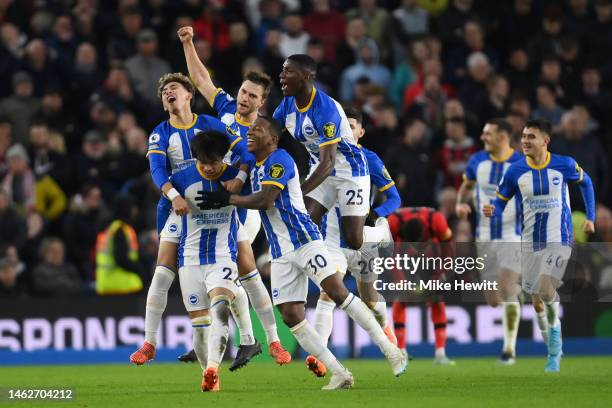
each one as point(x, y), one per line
point(175, 77)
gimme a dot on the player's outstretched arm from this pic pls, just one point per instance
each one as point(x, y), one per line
point(327, 160)
point(262, 200)
point(464, 195)
point(197, 71)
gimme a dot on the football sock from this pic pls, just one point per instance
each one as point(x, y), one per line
point(552, 312)
point(543, 324)
point(438, 317)
point(399, 323)
point(260, 299)
point(510, 322)
point(324, 319)
point(312, 343)
point(219, 330)
point(201, 327)
point(380, 313)
point(242, 316)
point(157, 298)
point(360, 313)
point(375, 234)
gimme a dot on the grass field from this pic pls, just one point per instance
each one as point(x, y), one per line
point(471, 383)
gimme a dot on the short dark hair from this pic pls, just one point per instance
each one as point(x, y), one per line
point(541, 124)
point(353, 113)
point(412, 230)
point(261, 79)
point(209, 144)
point(275, 127)
point(304, 62)
point(502, 124)
point(175, 77)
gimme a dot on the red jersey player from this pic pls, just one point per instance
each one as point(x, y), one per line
point(422, 224)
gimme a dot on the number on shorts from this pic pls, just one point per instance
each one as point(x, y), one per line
point(352, 194)
point(319, 261)
point(229, 273)
point(366, 267)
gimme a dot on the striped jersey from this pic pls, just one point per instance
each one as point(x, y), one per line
point(323, 122)
point(487, 172)
point(207, 234)
point(542, 194)
point(226, 106)
point(287, 224)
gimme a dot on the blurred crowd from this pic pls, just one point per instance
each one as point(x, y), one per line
point(78, 99)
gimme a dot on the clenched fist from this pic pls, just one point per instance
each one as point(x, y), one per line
point(185, 34)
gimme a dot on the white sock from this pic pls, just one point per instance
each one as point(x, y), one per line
point(324, 319)
point(242, 317)
point(201, 328)
point(380, 313)
point(311, 342)
point(510, 322)
point(440, 352)
point(543, 324)
point(359, 312)
point(260, 299)
point(219, 330)
point(552, 313)
point(157, 298)
point(375, 234)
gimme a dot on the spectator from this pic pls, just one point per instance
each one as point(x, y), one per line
point(53, 275)
point(326, 25)
point(596, 99)
point(377, 21)
point(327, 76)
point(294, 39)
point(116, 90)
point(122, 43)
point(46, 161)
point(86, 217)
point(12, 225)
point(405, 73)
point(429, 105)
point(10, 285)
point(12, 49)
point(133, 160)
point(452, 21)
point(520, 24)
point(473, 42)
point(496, 103)
point(212, 27)
point(21, 107)
point(271, 19)
point(231, 58)
point(61, 121)
point(41, 68)
point(86, 75)
point(145, 68)
point(410, 20)
point(91, 166)
point(588, 152)
point(5, 143)
point(432, 66)
point(383, 130)
point(411, 156)
point(473, 90)
point(63, 40)
point(599, 36)
point(548, 40)
point(550, 73)
point(578, 18)
point(547, 107)
point(271, 56)
point(19, 181)
point(368, 65)
point(518, 71)
point(452, 159)
point(356, 31)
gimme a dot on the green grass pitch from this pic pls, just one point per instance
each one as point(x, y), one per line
point(471, 383)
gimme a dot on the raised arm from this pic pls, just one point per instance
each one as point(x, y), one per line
point(197, 71)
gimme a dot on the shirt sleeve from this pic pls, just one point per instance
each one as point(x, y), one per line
point(328, 124)
point(573, 172)
point(279, 114)
point(158, 161)
point(278, 170)
point(394, 225)
point(240, 151)
point(440, 226)
point(223, 103)
point(470, 170)
point(393, 202)
point(505, 191)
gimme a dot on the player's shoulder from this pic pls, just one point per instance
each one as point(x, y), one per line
point(204, 119)
point(518, 167)
point(371, 156)
point(280, 156)
point(323, 101)
point(560, 161)
point(161, 130)
point(186, 176)
point(515, 156)
point(478, 157)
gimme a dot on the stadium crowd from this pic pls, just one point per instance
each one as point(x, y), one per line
point(78, 98)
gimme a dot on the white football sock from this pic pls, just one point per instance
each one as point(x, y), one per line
point(374, 235)
point(312, 343)
point(543, 324)
point(324, 319)
point(157, 298)
point(260, 299)
point(359, 312)
point(380, 314)
point(219, 329)
point(242, 316)
point(552, 313)
point(201, 327)
point(510, 322)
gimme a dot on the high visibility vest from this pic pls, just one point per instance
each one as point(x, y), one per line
point(111, 279)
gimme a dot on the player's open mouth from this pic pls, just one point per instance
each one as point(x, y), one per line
point(171, 99)
point(250, 140)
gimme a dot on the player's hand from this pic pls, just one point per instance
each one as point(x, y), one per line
point(212, 199)
point(185, 34)
point(180, 206)
point(488, 210)
point(233, 186)
point(463, 210)
point(588, 227)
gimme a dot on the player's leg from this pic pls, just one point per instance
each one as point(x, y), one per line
point(530, 267)
point(157, 296)
point(398, 313)
point(509, 291)
point(438, 318)
point(200, 324)
point(251, 281)
point(314, 258)
point(548, 293)
point(289, 289)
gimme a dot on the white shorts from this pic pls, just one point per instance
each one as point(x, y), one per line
point(290, 272)
point(172, 229)
point(249, 230)
point(499, 255)
point(550, 261)
point(337, 259)
point(351, 194)
point(196, 281)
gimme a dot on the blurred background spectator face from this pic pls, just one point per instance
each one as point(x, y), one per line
point(147, 43)
point(478, 66)
point(39, 136)
point(5, 135)
point(8, 274)
point(455, 129)
point(603, 223)
point(92, 198)
point(293, 25)
point(603, 10)
point(52, 251)
point(203, 49)
point(17, 159)
point(545, 97)
point(573, 126)
point(552, 22)
point(519, 59)
point(22, 84)
point(414, 133)
point(131, 21)
point(4, 201)
point(102, 115)
point(499, 87)
point(453, 108)
point(37, 53)
point(62, 28)
point(315, 50)
point(239, 34)
point(432, 86)
point(591, 79)
point(86, 57)
point(136, 140)
point(419, 52)
point(356, 29)
point(551, 70)
point(94, 145)
point(52, 102)
point(520, 104)
point(473, 36)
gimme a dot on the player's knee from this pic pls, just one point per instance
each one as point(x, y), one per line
point(538, 305)
point(353, 238)
point(167, 255)
point(335, 289)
